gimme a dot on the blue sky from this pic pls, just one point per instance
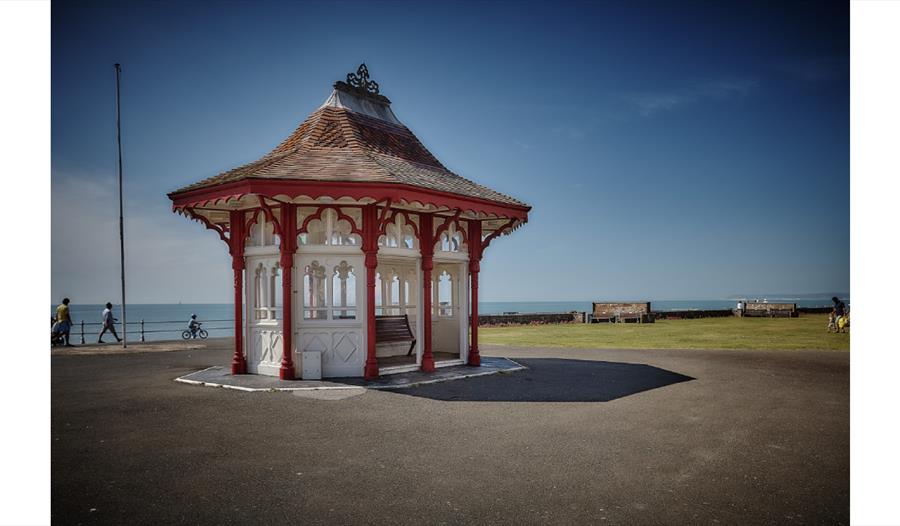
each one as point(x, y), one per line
point(669, 150)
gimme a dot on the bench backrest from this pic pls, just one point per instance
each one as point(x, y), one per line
point(616, 309)
point(770, 306)
point(393, 329)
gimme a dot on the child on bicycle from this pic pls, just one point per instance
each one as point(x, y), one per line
point(194, 325)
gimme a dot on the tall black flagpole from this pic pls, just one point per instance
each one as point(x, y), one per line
point(121, 221)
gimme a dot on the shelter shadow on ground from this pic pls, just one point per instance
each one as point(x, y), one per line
point(555, 380)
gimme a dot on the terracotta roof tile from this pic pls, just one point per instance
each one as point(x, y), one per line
point(336, 144)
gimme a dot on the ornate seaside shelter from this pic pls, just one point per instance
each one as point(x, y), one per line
point(349, 222)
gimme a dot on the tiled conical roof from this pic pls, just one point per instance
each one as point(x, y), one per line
point(355, 137)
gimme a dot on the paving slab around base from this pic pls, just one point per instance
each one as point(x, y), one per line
point(220, 376)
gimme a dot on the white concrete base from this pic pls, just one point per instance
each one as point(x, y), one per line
point(219, 376)
point(448, 363)
point(398, 369)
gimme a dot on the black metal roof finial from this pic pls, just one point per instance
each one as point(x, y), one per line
point(360, 84)
point(360, 80)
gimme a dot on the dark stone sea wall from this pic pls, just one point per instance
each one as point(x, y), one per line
point(723, 313)
point(691, 314)
point(814, 310)
point(542, 318)
point(538, 318)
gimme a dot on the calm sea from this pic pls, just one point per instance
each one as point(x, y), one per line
point(166, 321)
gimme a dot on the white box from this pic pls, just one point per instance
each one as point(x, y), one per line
point(312, 365)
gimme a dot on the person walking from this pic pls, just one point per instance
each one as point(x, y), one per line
point(839, 312)
point(64, 320)
point(839, 307)
point(109, 324)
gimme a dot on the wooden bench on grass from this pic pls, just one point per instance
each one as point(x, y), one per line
point(622, 312)
point(771, 310)
point(392, 329)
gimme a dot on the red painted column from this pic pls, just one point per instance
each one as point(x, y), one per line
point(474, 268)
point(288, 245)
point(370, 249)
point(236, 247)
point(426, 248)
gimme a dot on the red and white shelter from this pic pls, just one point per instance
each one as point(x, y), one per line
point(351, 218)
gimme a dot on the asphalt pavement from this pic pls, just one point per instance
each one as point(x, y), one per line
point(581, 437)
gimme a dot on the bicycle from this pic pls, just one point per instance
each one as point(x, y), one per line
point(187, 334)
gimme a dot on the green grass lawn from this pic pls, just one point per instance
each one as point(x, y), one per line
point(806, 332)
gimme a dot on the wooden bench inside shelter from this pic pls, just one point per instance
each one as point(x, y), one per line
point(392, 329)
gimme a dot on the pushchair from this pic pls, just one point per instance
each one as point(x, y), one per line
point(838, 323)
point(56, 334)
point(843, 322)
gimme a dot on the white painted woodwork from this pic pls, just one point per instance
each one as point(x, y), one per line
point(448, 318)
point(321, 328)
point(331, 341)
point(264, 329)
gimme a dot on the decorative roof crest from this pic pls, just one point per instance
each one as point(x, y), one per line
point(359, 84)
point(360, 80)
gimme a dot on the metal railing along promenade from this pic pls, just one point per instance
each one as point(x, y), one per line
point(93, 328)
